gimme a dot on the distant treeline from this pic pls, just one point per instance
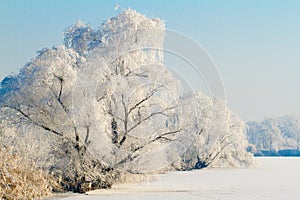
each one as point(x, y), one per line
point(286, 152)
point(275, 136)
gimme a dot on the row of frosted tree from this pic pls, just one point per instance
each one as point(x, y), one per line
point(103, 103)
point(272, 135)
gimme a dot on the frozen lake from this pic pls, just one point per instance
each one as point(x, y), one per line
point(273, 178)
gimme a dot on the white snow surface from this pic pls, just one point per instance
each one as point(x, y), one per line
point(272, 178)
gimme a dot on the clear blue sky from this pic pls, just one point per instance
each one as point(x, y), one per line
point(255, 43)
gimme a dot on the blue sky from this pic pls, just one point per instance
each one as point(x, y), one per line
point(255, 43)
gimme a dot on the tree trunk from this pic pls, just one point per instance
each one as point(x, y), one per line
point(77, 171)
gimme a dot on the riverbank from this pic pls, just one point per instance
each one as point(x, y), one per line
point(273, 178)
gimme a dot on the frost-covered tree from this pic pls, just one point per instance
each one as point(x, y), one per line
point(40, 93)
point(137, 101)
point(274, 134)
point(265, 135)
point(220, 135)
point(41, 96)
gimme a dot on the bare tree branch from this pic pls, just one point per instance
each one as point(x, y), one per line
point(86, 140)
point(125, 121)
point(34, 122)
point(151, 115)
point(130, 157)
point(148, 96)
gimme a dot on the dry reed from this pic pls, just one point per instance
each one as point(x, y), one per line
point(20, 178)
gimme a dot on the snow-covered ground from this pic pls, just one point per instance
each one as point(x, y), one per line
point(273, 178)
